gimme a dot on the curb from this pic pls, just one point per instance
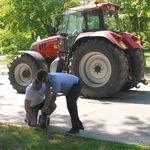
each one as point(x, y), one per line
point(102, 136)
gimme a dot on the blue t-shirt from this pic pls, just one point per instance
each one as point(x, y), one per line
point(62, 82)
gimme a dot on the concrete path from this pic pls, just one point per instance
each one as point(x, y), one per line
point(125, 118)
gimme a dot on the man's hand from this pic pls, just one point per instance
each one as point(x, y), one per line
point(45, 110)
point(33, 123)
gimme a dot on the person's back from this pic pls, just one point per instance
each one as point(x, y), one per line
point(62, 82)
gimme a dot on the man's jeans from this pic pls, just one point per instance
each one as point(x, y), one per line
point(72, 98)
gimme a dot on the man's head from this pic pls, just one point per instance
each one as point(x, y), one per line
point(36, 84)
point(42, 75)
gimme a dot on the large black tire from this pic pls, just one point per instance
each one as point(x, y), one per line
point(22, 70)
point(136, 68)
point(102, 68)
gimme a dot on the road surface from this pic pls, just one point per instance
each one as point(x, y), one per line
point(124, 118)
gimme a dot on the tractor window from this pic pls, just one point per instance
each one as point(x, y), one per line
point(110, 20)
point(72, 23)
point(75, 23)
point(93, 20)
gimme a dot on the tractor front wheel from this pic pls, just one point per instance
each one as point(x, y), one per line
point(22, 70)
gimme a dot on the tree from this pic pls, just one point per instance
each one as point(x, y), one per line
point(136, 18)
point(22, 21)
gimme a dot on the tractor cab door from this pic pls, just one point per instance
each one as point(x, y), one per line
point(73, 25)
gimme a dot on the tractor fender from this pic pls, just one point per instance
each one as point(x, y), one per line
point(37, 57)
point(113, 37)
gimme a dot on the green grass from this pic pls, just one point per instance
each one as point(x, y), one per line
point(24, 138)
point(147, 58)
point(3, 61)
point(3, 64)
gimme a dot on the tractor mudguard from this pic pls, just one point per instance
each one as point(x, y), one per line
point(121, 40)
point(38, 58)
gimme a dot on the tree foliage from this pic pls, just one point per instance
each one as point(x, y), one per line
point(21, 21)
point(136, 18)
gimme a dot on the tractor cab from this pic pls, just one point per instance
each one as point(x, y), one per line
point(91, 18)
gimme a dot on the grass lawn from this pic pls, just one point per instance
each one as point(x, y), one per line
point(3, 62)
point(147, 58)
point(24, 138)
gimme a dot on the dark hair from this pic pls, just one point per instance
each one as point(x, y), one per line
point(41, 74)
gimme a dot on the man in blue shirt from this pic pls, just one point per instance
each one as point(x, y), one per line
point(70, 86)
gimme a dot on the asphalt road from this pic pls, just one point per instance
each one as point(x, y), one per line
point(124, 118)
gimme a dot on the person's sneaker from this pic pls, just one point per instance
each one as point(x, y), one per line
point(73, 131)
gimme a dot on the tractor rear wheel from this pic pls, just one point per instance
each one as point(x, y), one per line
point(136, 68)
point(102, 68)
point(22, 70)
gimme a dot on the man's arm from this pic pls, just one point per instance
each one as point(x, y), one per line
point(50, 98)
point(29, 112)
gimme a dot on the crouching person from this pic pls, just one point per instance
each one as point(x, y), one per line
point(34, 101)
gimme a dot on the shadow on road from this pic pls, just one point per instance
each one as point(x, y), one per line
point(133, 96)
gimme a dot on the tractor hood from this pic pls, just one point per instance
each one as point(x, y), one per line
point(123, 40)
point(47, 47)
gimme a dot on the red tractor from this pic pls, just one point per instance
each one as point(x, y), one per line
point(90, 46)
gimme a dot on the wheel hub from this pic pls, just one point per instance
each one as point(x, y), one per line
point(23, 74)
point(26, 74)
point(97, 68)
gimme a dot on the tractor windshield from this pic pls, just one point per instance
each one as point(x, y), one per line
point(73, 22)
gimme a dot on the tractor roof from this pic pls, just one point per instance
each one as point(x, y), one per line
point(103, 6)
